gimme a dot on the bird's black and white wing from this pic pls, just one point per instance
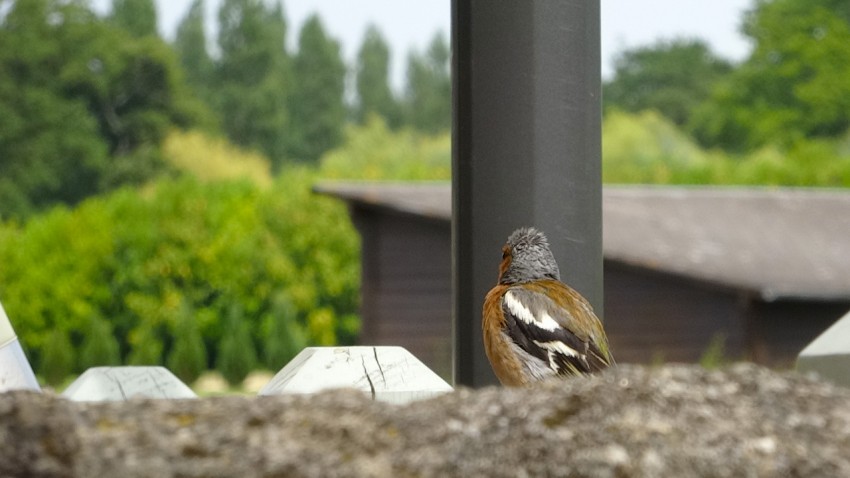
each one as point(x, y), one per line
point(562, 332)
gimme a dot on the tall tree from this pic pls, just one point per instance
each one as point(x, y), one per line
point(317, 104)
point(138, 17)
point(191, 46)
point(793, 85)
point(83, 105)
point(672, 77)
point(253, 76)
point(429, 88)
point(374, 95)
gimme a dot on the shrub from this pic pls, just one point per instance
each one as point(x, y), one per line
point(372, 151)
point(236, 353)
point(284, 337)
point(57, 360)
point(148, 260)
point(99, 346)
point(188, 357)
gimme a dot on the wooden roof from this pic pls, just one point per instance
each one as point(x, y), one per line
point(776, 242)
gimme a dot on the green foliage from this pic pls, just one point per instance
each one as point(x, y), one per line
point(374, 95)
point(137, 17)
point(83, 105)
point(672, 77)
point(146, 347)
point(99, 346)
point(171, 260)
point(428, 101)
point(252, 79)
point(372, 151)
point(237, 356)
point(793, 86)
point(188, 357)
point(647, 148)
point(209, 158)
point(284, 337)
point(316, 103)
point(58, 357)
point(190, 45)
point(50, 149)
point(714, 355)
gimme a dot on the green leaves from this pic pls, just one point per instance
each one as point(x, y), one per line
point(84, 105)
point(159, 270)
point(374, 96)
point(251, 81)
point(316, 103)
point(793, 86)
point(372, 151)
point(428, 103)
point(671, 77)
point(648, 148)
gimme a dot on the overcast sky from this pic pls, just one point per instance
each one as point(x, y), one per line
point(410, 24)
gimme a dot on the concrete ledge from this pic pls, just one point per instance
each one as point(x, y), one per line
point(125, 383)
point(829, 354)
point(386, 373)
point(630, 421)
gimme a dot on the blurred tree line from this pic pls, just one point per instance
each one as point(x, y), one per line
point(782, 116)
point(86, 101)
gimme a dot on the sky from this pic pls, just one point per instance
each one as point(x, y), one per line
point(411, 24)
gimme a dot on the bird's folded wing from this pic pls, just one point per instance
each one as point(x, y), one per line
point(562, 332)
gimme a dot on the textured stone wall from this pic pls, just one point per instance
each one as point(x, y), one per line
point(631, 421)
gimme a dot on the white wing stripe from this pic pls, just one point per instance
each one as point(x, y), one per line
point(557, 346)
point(521, 312)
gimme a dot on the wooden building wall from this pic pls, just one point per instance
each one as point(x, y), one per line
point(651, 316)
point(781, 329)
point(406, 292)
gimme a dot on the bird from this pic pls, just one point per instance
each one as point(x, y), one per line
point(536, 327)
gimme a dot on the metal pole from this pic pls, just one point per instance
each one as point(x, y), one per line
point(526, 150)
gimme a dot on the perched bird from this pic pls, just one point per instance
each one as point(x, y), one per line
point(535, 326)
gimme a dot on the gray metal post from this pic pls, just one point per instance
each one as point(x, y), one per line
point(526, 150)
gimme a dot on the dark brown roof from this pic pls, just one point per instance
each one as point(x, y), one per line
point(776, 242)
point(431, 199)
point(779, 243)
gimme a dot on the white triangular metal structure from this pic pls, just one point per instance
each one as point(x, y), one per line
point(386, 373)
point(99, 384)
point(15, 370)
point(829, 354)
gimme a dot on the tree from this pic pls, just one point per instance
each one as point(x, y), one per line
point(283, 336)
point(317, 106)
point(145, 346)
point(374, 95)
point(83, 105)
point(429, 88)
point(50, 149)
point(99, 347)
point(188, 357)
point(672, 77)
point(236, 353)
point(57, 359)
point(138, 17)
point(191, 46)
point(794, 84)
point(253, 77)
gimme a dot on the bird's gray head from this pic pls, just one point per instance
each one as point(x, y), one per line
point(526, 257)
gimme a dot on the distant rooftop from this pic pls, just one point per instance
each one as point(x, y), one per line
point(776, 242)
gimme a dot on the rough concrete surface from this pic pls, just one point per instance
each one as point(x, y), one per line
point(743, 421)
